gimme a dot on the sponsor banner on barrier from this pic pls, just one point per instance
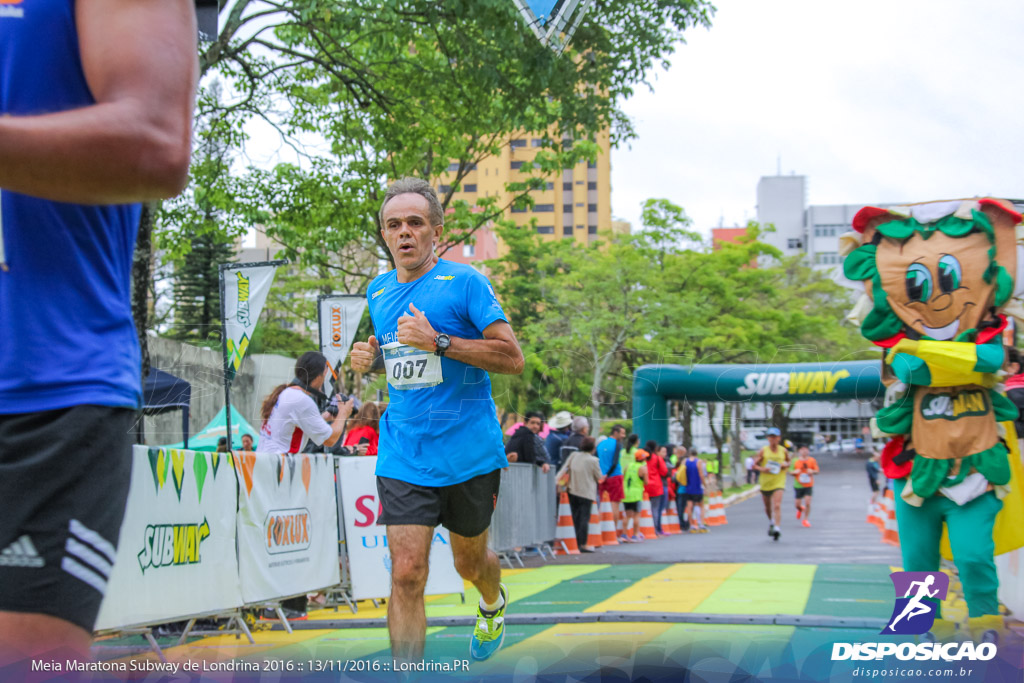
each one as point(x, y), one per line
point(367, 543)
point(287, 524)
point(176, 555)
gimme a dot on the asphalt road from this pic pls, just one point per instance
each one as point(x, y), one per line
point(839, 532)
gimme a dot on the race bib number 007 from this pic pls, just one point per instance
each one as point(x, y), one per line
point(410, 368)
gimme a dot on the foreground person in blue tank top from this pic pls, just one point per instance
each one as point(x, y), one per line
point(96, 102)
point(439, 331)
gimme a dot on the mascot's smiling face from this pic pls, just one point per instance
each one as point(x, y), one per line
point(934, 270)
point(936, 286)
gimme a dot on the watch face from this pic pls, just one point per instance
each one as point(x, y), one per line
point(443, 341)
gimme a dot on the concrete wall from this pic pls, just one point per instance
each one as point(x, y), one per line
point(202, 368)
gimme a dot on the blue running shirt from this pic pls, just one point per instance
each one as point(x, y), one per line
point(441, 426)
point(66, 331)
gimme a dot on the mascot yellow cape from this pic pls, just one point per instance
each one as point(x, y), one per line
point(938, 276)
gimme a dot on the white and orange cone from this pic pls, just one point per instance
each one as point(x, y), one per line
point(716, 511)
point(565, 533)
point(594, 534)
point(646, 520)
point(670, 519)
point(891, 533)
point(608, 534)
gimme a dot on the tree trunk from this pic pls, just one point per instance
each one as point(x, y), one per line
point(716, 435)
point(141, 277)
point(780, 416)
point(686, 418)
point(737, 469)
point(595, 399)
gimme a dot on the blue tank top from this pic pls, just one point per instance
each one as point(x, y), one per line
point(694, 485)
point(66, 331)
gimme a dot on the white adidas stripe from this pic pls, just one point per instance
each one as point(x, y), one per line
point(89, 536)
point(80, 571)
point(84, 552)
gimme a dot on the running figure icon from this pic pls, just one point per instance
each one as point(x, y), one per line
point(915, 607)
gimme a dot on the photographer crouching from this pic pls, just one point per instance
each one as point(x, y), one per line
point(291, 417)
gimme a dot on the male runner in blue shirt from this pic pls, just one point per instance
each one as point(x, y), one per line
point(96, 102)
point(439, 331)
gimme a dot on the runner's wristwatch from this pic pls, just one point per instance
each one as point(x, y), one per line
point(441, 344)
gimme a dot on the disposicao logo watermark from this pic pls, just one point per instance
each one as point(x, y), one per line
point(917, 596)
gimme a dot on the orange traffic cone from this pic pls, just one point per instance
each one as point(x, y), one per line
point(875, 515)
point(891, 534)
point(646, 520)
point(716, 510)
point(565, 533)
point(594, 534)
point(608, 533)
point(670, 519)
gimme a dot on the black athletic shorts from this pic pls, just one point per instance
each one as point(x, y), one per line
point(693, 497)
point(632, 507)
point(805, 491)
point(64, 477)
point(464, 509)
point(768, 494)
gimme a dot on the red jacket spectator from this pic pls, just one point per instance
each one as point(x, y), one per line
point(364, 426)
point(657, 470)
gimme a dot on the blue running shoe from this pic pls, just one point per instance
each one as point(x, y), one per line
point(490, 629)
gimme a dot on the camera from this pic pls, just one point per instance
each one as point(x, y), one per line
point(332, 407)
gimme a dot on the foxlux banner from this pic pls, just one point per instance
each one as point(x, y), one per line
point(176, 555)
point(367, 541)
point(287, 524)
point(245, 291)
point(339, 316)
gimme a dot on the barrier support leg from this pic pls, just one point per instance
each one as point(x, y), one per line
point(153, 644)
point(240, 620)
point(518, 559)
point(188, 628)
point(283, 619)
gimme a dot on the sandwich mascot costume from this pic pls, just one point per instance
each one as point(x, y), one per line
point(938, 277)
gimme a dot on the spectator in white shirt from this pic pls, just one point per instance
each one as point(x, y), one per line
point(290, 413)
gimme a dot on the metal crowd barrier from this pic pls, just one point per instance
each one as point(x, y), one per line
point(525, 514)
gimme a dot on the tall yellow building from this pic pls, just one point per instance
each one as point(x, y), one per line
point(577, 204)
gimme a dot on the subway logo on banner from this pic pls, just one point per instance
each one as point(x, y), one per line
point(288, 531)
point(172, 545)
point(775, 383)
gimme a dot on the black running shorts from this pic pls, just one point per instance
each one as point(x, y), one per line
point(464, 509)
point(805, 491)
point(64, 477)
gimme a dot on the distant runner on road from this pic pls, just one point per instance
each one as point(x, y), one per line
point(772, 462)
point(804, 469)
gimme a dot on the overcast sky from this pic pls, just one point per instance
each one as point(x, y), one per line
point(873, 101)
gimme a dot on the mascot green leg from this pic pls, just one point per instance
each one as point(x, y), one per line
point(970, 537)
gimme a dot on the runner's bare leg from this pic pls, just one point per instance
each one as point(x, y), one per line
point(478, 564)
point(407, 618)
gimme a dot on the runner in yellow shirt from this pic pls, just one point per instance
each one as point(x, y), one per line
point(772, 462)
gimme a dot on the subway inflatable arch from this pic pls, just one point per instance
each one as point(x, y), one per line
point(655, 385)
